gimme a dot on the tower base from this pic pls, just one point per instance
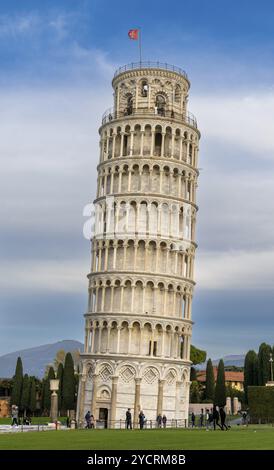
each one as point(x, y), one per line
point(109, 386)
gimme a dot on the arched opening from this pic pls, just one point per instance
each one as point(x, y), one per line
point(129, 106)
point(160, 105)
point(144, 88)
point(158, 141)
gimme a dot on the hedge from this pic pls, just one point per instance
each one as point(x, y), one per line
point(261, 402)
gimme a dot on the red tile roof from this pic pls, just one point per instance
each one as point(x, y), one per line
point(230, 376)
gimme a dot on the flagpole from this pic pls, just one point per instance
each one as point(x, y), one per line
point(140, 46)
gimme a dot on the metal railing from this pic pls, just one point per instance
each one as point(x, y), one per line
point(110, 114)
point(150, 65)
point(148, 424)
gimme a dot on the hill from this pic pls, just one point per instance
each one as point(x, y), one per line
point(36, 359)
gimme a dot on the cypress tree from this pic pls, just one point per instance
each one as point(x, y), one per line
point(263, 363)
point(193, 374)
point(25, 393)
point(47, 392)
point(210, 381)
point(68, 389)
point(60, 373)
point(17, 384)
point(32, 396)
point(220, 389)
point(250, 371)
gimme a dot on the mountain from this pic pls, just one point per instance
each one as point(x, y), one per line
point(36, 359)
point(230, 360)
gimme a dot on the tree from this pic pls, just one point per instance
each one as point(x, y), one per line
point(250, 371)
point(17, 384)
point(220, 389)
point(263, 363)
point(25, 393)
point(59, 358)
point(195, 392)
point(47, 392)
point(60, 374)
point(32, 396)
point(68, 389)
point(197, 355)
point(210, 381)
point(193, 374)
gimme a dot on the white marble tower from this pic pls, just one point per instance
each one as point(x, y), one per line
point(138, 324)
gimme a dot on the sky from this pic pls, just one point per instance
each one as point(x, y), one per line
point(57, 59)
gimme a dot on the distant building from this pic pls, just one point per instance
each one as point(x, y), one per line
point(233, 379)
point(5, 390)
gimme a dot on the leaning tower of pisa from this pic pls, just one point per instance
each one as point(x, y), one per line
point(138, 323)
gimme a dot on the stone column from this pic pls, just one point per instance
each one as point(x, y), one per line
point(122, 144)
point(129, 338)
point(142, 144)
point(131, 143)
point(113, 145)
point(113, 402)
point(179, 385)
point(82, 387)
point(235, 405)
point(160, 397)
point(92, 338)
point(152, 142)
point(137, 401)
point(172, 144)
point(228, 405)
point(163, 145)
point(94, 395)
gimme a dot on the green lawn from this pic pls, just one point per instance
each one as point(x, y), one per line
point(252, 438)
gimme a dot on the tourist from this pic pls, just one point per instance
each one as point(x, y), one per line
point(216, 418)
point(92, 422)
point(207, 419)
point(159, 420)
point(202, 418)
point(193, 419)
point(141, 419)
point(211, 418)
point(164, 421)
point(87, 418)
point(14, 415)
point(223, 417)
point(128, 419)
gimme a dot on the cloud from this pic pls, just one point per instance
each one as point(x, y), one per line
point(45, 276)
point(245, 120)
point(18, 25)
point(235, 270)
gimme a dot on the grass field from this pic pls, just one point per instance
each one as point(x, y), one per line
point(251, 438)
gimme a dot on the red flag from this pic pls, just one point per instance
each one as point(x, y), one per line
point(133, 34)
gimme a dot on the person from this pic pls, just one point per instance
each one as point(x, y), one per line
point(223, 417)
point(14, 415)
point(193, 419)
point(244, 418)
point(202, 418)
point(141, 420)
point(87, 418)
point(159, 420)
point(207, 421)
point(128, 419)
point(216, 418)
point(164, 421)
point(92, 422)
point(211, 418)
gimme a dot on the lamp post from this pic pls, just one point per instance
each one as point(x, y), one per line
point(271, 366)
point(54, 386)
